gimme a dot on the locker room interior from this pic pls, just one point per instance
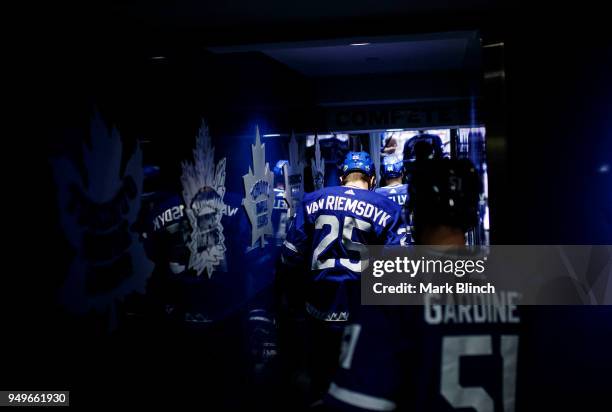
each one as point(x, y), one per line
point(530, 107)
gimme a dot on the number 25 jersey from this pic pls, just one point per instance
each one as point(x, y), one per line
point(329, 236)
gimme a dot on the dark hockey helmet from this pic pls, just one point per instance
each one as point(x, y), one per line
point(445, 192)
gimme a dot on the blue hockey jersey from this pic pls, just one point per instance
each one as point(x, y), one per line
point(490, 357)
point(280, 218)
point(328, 238)
point(435, 357)
point(397, 193)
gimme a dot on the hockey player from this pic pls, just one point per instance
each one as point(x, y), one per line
point(425, 358)
point(324, 254)
point(393, 173)
point(423, 146)
point(444, 357)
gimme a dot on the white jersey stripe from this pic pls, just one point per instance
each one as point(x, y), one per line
point(290, 246)
point(360, 400)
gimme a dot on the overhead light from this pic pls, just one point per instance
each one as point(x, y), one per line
point(500, 44)
point(272, 135)
point(360, 44)
point(158, 58)
point(395, 130)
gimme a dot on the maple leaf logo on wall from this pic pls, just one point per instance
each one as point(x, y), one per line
point(203, 191)
point(259, 200)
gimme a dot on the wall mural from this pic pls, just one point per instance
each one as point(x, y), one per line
point(203, 191)
point(99, 201)
point(259, 199)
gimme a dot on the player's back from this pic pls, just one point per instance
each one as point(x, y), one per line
point(492, 357)
point(331, 231)
point(435, 357)
point(468, 355)
point(342, 219)
point(397, 193)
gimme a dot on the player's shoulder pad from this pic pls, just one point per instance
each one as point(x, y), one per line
point(380, 197)
point(330, 190)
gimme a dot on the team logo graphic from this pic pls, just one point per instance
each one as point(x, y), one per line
point(318, 167)
point(294, 177)
point(203, 191)
point(259, 199)
point(99, 200)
